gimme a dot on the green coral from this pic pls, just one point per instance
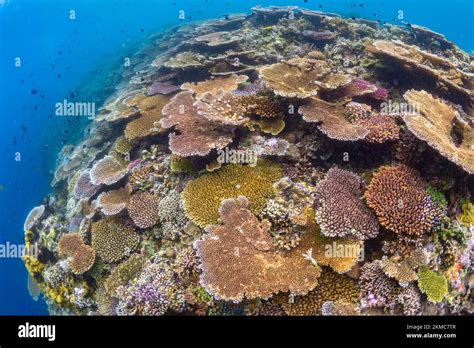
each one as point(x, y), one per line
point(433, 284)
point(181, 165)
point(437, 196)
point(124, 273)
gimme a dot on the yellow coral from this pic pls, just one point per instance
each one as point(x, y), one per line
point(33, 265)
point(467, 214)
point(203, 196)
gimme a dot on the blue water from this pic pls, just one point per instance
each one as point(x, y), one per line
point(63, 58)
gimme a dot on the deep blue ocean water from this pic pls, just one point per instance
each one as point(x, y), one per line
point(63, 58)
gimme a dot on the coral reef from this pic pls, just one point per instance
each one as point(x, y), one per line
point(268, 164)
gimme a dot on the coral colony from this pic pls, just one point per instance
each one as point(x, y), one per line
point(286, 162)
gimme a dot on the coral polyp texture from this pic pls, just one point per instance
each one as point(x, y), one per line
point(397, 195)
point(268, 164)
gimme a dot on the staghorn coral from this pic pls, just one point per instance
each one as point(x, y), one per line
point(331, 120)
point(225, 84)
point(198, 136)
point(397, 195)
point(83, 259)
point(410, 299)
point(202, 196)
point(112, 240)
point(339, 209)
point(113, 202)
point(433, 123)
point(331, 287)
point(107, 171)
point(238, 261)
point(433, 284)
point(143, 209)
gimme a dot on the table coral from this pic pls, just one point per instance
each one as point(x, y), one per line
point(238, 260)
point(433, 284)
point(202, 196)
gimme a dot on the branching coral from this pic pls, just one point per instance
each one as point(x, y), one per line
point(339, 209)
point(107, 171)
point(377, 290)
point(202, 197)
point(238, 260)
point(434, 124)
point(198, 136)
point(112, 240)
point(397, 195)
point(433, 284)
point(381, 128)
point(143, 209)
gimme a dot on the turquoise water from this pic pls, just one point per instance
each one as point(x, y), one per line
point(60, 58)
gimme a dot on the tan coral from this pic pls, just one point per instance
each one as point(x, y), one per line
point(434, 123)
point(83, 259)
point(113, 202)
point(238, 260)
point(226, 84)
point(107, 171)
point(68, 244)
point(290, 81)
point(411, 57)
point(331, 120)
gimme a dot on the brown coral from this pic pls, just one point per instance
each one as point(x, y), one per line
point(84, 188)
point(331, 120)
point(198, 136)
point(434, 124)
point(238, 260)
point(112, 240)
point(149, 121)
point(381, 128)
point(397, 195)
point(339, 209)
point(225, 84)
point(83, 259)
point(143, 209)
point(222, 108)
point(68, 244)
point(113, 202)
point(107, 171)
